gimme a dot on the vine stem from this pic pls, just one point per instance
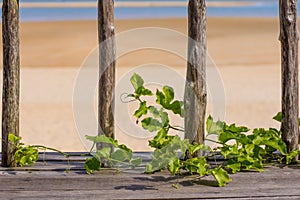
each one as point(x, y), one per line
point(58, 151)
point(52, 149)
point(214, 141)
point(176, 129)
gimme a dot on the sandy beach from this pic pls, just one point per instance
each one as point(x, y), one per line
point(245, 53)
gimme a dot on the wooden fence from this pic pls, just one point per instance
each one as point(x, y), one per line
point(195, 105)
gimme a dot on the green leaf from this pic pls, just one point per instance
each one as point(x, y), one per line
point(291, 156)
point(143, 91)
point(160, 98)
point(136, 81)
point(26, 155)
point(104, 152)
point(120, 155)
point(92, 164)
point(124, 147)
point(229, 150)
point(162, 157)
point(278, 117)
point(161, 139)
point(164, 118)
point(14, 139)
point(154, 111)
point(234, 166)
point(138, 84)
point(156, 164)
point(165, 99)
point(221, 176)
point(197, 165)
point(102, 139)
point(142, 110)
point(233, 132)
point(178, 144)
point(239, 137)
point(169, 94)
point(151, 124)
point(177, 108)
point(193, 148)
point(270, 138)
point(214, 127)
point(135, 162)
point(278, 144)
point(236, 129)
point(174, 166)
point(250, 162)
point(161, 134)
point(160, 114)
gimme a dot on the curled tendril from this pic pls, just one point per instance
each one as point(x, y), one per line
point(124, 97)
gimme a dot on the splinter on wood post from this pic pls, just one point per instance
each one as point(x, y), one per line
point(289, 68)
point(195, 98)
point(106, 67)
point(11, 78)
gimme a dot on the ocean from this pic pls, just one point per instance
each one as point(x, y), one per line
point(259, 8)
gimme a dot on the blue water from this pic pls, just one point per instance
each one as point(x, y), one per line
point(262, 8)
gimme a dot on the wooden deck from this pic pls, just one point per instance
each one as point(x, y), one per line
point(50, 181)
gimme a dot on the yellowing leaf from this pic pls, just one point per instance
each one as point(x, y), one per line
point(221, 176)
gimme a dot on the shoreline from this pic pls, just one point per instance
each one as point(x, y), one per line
point(129, 4)
point(151, 18)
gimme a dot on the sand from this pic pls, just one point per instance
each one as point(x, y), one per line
point(244, 83)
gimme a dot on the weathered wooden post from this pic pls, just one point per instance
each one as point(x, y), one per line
point(195, 97)
point(11, 78)
point(289, 68)
point(106, 67)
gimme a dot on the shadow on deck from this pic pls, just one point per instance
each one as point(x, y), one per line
point(48, 179)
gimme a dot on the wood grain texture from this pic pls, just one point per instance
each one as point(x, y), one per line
point(195, 98)
point(50, 181)
point(107, 54)
point(289, 68)
point(11, 78)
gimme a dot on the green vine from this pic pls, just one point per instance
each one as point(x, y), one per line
point(28, 155)
point(115, 154)
point(241, 149)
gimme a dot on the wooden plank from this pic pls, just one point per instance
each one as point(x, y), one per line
point(273, 183)
point(52, 161)
point(42, 182)
point(11, 78)
point(77, 156)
